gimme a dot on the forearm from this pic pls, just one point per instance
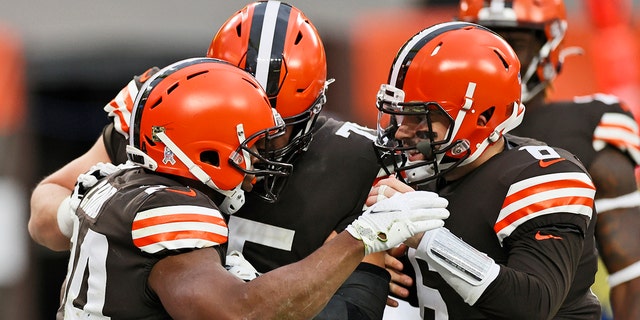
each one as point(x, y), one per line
point(43, 224)
point(296, 291)
point(362, 296)
point(624, 300)
point(302, 289)
point(49, 193)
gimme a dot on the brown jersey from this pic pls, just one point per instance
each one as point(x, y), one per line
point(507, 208)
point(126, 223)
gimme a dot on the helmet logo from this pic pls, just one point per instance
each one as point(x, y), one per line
point(168, 156)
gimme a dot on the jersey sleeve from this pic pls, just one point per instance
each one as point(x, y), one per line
point(119, 108)
point(541, 267)
point(551, 191)
point(616, 127)
point(115, 144)
point(177, 219)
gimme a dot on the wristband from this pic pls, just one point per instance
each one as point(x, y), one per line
point(625, 201)
point(65, 217)
point(625, 274)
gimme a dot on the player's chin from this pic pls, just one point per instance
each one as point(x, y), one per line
point(247, 183)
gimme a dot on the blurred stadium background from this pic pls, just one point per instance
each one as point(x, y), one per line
point(61, 61)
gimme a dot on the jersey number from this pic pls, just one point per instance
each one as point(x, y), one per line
point(348, 127)
point(541, 152)
point(92, 261)
point(242, 230)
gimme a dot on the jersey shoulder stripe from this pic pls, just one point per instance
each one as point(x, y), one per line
point(570, 192)
point(178, 227)
point(619, 130)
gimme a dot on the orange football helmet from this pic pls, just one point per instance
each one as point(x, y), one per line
point(278, 44)
point(199, 118)
point(456, 69)
point(547, 17)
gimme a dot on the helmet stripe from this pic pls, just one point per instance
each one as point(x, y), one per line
point(409, 50)
point(269, 29)
point(147, 88)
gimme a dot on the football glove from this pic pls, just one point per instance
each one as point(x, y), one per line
point(391, 221)
point(68, 207)
point(240, 267)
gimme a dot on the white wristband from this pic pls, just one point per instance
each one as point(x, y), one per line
point(625, 274)
point(65, 217)
point(625, 201)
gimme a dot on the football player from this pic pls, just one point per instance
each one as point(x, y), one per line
point(149, 240)
point(282, 220)
point(519, 243)
point(599, 129)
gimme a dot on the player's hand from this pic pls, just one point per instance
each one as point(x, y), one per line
point(240, 267)
point(391, 221)
point(68, 207)
point(386, 188)
point(399, 281)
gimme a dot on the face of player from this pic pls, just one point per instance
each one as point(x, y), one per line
point(250, 179)
point(415, 128)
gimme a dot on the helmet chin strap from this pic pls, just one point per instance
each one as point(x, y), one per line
point(234, 199)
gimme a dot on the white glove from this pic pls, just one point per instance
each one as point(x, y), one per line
point(391, 221)
point(68, 207)
point(240, 267)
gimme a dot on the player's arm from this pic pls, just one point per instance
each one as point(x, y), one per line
point(296, 291)
point(363, 294)
point(618, 207)
point(196, 286)
point(48, 195)
point(383, 189)
point(47, 198)
point(534, 281)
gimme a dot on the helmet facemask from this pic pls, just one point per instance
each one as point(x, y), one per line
point(394, 154)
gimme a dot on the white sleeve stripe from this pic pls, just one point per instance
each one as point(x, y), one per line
point(178, 244)
point(626, 274)
point(536, 198)
point(628, 138)
point(625, 201)
point(577, 209)
point(176, 210)
point(191, 226)
point(619, 119)
point(527, 183)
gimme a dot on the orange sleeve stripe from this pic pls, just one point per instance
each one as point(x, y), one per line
point(540, 206)
point(542, 187)
point(616, 126)
point(176, 235)
point(188, 217)
point(618, 142)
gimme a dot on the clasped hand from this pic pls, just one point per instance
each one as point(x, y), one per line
point(391, 221)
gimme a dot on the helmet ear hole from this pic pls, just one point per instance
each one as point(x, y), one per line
point(149, 141)
point(487, 114)
point(210, 157)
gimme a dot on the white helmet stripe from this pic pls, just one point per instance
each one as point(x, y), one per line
point(409, 50)
point(266, 42)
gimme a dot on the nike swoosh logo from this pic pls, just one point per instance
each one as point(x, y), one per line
point(544, 164)
point(540, 236)
point(190, 193)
